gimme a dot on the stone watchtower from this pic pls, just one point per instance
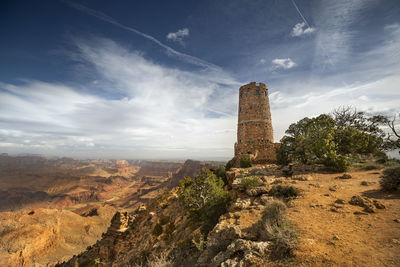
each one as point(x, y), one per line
point(254, 134)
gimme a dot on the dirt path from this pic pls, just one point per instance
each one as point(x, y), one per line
point(332, 235)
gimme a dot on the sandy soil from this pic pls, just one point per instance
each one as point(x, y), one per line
point(332, 235)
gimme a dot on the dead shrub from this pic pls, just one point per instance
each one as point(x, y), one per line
point(159, 261)
point(274, 212)
point(272, 227)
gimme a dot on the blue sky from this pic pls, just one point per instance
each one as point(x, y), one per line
point(160, 79)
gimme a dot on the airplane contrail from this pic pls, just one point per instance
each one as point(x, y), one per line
point(188, 58)
point(298, 10)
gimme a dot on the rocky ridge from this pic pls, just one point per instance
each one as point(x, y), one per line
point(330, 217)
point(236, 240)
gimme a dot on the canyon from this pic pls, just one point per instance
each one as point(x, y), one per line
point(52, 209)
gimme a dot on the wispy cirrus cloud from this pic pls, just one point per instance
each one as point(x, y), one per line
point(283, 63)
point(170, 51)
point(159, 109)
point(178, 36)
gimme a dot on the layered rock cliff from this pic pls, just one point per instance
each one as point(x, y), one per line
point(236, 240)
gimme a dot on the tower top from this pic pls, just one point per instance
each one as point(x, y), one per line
point(252, 84)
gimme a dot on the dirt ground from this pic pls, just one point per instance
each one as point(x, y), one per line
point(332, 235)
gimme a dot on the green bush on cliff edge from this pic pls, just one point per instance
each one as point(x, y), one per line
point(204, 197)
point(245, 162)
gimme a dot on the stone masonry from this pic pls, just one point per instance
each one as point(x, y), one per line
point(255, 135)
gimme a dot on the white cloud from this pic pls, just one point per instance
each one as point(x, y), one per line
point(178, 36)
point(299, 30)
point(283, 63)
point(158, 110)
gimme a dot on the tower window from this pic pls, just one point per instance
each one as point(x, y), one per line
point(240, 109)
point(248, 93)
point(242, 95)
point(250, 123)
point(258, 92)
point(265, 93)
point(251, 141)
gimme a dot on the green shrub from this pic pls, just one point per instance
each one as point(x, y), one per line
point(229, 165)
point(204, 197)
point(221, 173)
point(245, 162)
point(169, 229)
point(89, 262)
point(164, 219)
point(391, 179)
point(371, 167)
point(284, 191)
point(381, 161)
point(392, 163)
point(199, 241)
point(338, 163)
point(250, 182)
point(157, 230)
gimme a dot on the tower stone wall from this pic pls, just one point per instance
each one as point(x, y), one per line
point(254, 133)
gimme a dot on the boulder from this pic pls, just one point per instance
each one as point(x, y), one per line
point(265, 199)
point(365, 183)
point(378, 204)
point(367, 204)
point(302, 178)
point(241, 204)
point(256, 191)
point(344, 176)
point(222, 235)
point(340, 201)
point(240, 253)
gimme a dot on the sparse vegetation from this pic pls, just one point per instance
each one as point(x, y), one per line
point(284, 191)
point(157, 229)
point(161, 260)
point(275, 229)
point(245, 162)
point(251, 182)
point(221, 173)
point(229, 165)
point(89, 262)
point(284, 243)
point(199, 242)
point(164, 219)
point(391, 179)
point(370, 167)
point(169, 229)
point(274, 212)
point(204, 197)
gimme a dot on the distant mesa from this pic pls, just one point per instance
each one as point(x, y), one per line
point(254, 134)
